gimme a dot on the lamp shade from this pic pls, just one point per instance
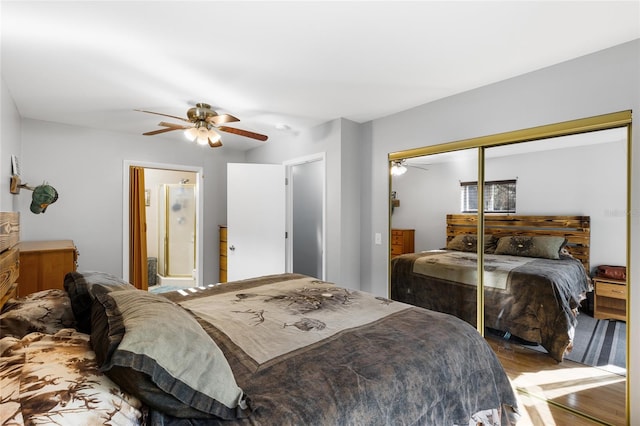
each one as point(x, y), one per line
point(191, 133)
point(214, 136)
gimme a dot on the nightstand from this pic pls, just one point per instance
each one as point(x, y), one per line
point(609, 299)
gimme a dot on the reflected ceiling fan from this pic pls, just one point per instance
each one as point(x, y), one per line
point(399, 167)
point(203, 127)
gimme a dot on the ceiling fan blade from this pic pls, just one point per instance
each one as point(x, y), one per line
point(173, 125)
point(164, 115)
point(241, 132)
point(215, 144)
point(221, 119)
point(157, 132)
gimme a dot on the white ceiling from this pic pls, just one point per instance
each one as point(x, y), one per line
point(298, 63)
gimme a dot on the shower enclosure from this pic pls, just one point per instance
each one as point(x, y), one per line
point(177, 234)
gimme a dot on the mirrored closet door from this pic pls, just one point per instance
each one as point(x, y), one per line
point(551, 196)
point(425, 191)
point(572, 203)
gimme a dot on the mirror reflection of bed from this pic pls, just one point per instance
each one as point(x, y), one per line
point(532, 289)
point(545, 333)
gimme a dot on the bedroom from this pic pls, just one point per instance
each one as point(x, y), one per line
point(85, 164)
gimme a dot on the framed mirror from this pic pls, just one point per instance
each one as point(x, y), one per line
point(556, 175)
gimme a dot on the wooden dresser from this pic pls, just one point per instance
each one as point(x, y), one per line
point(402, 241)
point(43, 264)
point(9, 257)
point(223, 254)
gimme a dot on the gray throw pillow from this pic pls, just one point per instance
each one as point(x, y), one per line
point(469, 243)
point(79, 288)
point(158, 352)
point(546, 247)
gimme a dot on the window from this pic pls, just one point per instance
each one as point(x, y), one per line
point(499, 196)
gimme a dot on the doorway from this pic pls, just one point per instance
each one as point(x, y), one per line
point(306, 202)
point(306, 215)
point(171, 230)
point(165, 179)
point(302, 211)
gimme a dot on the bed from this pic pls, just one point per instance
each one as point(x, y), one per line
point(282, 349)
point(536, 275)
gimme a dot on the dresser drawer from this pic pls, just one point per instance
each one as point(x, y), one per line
point(397, 239)
point(397, 249)
point(611, 290)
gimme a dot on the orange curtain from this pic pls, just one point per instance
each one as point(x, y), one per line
point(138, 275)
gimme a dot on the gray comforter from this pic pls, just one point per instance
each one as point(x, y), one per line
point(534, 299)
point(307, 352)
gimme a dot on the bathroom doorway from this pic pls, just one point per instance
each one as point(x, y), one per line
point(171, 227)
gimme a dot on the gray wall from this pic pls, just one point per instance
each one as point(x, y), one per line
point(10, 144)
point(340, 141)
point(86, 167)
point(600, 83)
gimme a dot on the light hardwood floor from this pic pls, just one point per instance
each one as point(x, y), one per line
point(594, 391)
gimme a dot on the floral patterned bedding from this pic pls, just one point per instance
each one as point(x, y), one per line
point(45, 311)
point(54, 379)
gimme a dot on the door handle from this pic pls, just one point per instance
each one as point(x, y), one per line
point(232, 248)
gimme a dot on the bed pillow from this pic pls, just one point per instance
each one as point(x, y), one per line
point(79, 287)
point(469, 243)
point(158, 352)
point(546, 247)
point(54, 379)
point(46, 311)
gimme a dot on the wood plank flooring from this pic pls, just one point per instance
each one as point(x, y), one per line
point(594, 391)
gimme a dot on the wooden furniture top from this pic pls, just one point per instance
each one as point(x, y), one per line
point(576, 229)
point(609, 280)
point(40, 246)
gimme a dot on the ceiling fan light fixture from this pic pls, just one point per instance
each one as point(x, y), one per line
point(214, 136)
point(202, 133)
point(398, 168)
point(191, 133)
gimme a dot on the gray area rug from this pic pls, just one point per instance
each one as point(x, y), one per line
point(597, 343)
point(600, 343)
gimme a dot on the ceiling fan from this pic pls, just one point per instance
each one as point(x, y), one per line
point(203, 125)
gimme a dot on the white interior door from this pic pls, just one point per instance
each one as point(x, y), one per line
point(255, 220)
